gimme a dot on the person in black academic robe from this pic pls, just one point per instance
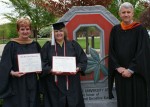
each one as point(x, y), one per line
point(18, 89)
point(129, 61)
point(58, 93)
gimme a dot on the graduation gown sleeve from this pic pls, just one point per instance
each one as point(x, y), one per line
point(81, 57)
point(5, 68)
point(143, 61)
point(46, 62)
point(112, 63)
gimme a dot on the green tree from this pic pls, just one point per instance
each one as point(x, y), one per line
point(40, 17)
point(8, 31)
point(137, 4)
point(145, 16)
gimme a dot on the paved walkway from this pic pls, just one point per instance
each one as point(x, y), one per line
point(1, 48)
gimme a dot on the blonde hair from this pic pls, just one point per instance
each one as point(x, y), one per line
point(65, 33)
point(23, 22)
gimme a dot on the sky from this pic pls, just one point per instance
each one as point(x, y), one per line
point(4, 9)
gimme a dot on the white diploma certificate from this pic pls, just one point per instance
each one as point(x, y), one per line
point(64, 64)
point(29, 62)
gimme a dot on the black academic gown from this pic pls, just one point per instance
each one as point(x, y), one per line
point(130, 49)
point(56, 95)
point(18, 92)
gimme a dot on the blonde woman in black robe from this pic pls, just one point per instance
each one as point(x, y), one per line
point(19, 89)
point(62, 90)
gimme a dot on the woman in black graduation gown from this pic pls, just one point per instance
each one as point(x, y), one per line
point(129, 64)
point(18, 89)
point(62, 90)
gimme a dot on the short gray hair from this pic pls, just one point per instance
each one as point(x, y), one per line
point(126, 5)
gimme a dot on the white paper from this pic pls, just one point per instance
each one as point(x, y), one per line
point(29, 62)
point(64, 64)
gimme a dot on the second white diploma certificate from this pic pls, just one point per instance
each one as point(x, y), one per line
point(64, 64)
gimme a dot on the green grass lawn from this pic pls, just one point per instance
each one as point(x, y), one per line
point(81, 41)
point(42, 41)
point(4, 41)
point(1, 102)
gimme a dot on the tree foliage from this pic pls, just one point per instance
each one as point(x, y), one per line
point(60, 7)
point(137, 4)
point(8, 31)
point(145, 16)
point(39, 16)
